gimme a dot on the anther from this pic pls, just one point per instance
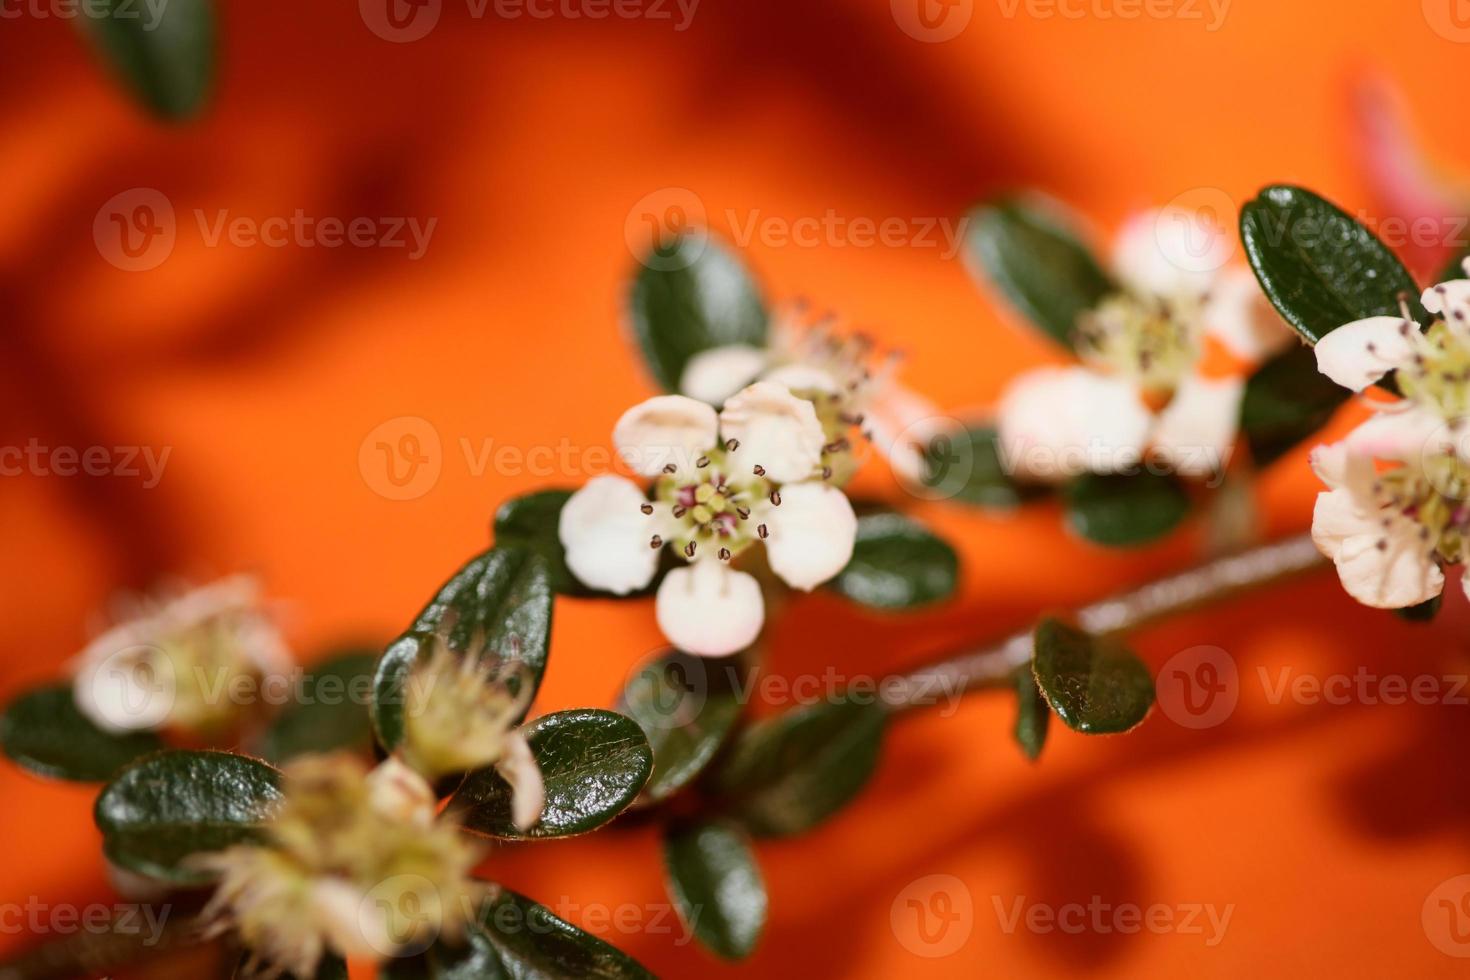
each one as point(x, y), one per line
point(689, 550)
point(776, 498)
point(680, 512)
point(656, 542)
point(732, 445)
point(826, 472)
point(646, 508)
point(671, 468)
point(702, 462)
point(724, 554)
point(759, 470)
point(743, 512)
point(763, 531)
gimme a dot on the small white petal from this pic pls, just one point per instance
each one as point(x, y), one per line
point(1239, 316)
point(1406, 434)
point(1196, 430)
point(126, 688)
point(398, 792)
point(1337, 466)
point(1056, 423)
point(346, 917)
point(1446, 296)
point(903, 425)
point(775, 430)
point(1389, 569)
point(663, 430)
point(715, 374)
point(811, 534)
point(607, 536)
point(1171, 252)
point(528, 790)
point(1336, 517)
point(802, 378)
point(1357, 354)
point(710, 609)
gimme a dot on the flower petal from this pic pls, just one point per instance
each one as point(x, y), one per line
point(803, 379)
point(606, 535)
point(124, 687)
point(775, 430)
point(399, 793)
point(1406, 434)
point(668, 429)
point(1389, 568)
point(1196, 430)
point(1238, 315)
point(528, 790)
point(1357, 354)
point(811, 534)
point(710, 609)
point(1445, 297)
point(715, 374)
point(902, 425)
point(1056, 423)
point(1171, 252)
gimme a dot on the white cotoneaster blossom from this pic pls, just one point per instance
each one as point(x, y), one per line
point(1397, 508)
point(174, 662)
point(752, 473)
point(1141, 390)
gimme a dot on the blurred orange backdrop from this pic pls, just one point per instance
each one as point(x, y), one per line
point(532, 141)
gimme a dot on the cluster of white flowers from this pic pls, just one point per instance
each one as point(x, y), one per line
point(1142, 389)
point(1398, 504)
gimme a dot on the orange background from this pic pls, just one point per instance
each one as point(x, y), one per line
point(531, 141)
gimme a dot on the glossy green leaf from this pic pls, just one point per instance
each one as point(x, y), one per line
point(1319, 266)
point(163, 52)
point(163, 809)
point(717, 886)
point(1033, 715)
point(897, 563)
point(329, 710)
point(43, 731)
point(1025, 248)
point(1094, 686)
point(530, 521)
point(786, 774)
point(1122, 510)
point(593, 762)
point(686, 706)
point(501, 599)
point(966, 466)
point(1286, 401)
point(689, 295)
point(514, 938)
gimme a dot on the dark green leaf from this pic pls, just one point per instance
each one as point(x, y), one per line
point(530, 521)
point(1286, 401)
point(1320, 267)
point(1040, 266)
point(1120, 510)
point(787, 774)
point(686, 706)
point(966, 466)
point(513, 938)
point(897, 564)
point(717, 885)
point(593, 763)
point(690, 295)
point(1094, 686)
point(1033, 715)
point(163, 809)
point(1424, 612)
point(166, 56)
point(501, 598)
point(331, 712)
point(43, 731)
point(330, 968)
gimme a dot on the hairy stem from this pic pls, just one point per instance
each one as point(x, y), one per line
point(1160, 599)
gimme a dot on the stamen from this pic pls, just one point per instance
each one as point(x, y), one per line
point(689, 550)
point(763, 531)
point(724, 554)
point(776, 498)
point(670, 468)
point(732, 445)
point(646, 508)
point(759, 470)
point(656, 542)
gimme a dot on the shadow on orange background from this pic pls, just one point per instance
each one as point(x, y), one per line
point(532, 141)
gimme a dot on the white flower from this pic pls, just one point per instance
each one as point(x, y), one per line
point(755, 473)
point(1142, 390)
point(174, 663)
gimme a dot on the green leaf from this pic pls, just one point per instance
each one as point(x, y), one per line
point(897, 563)
point(1094, 686)
point(1286, 401)
point(43, 731)
point(787, 774)
point(1033, 715)
point(331, 967)
point(164, 55)
point(163, 809)
point(1424, 612)
point(1122, 510)
point(1026, 249)
point(690, 295)
point(686, 708)
point(513, 938)
point(330, 713)
point(1319, 266)
point(593, 762)
point(717, 886)
point(530, 522)
point(966, 466)
point(501, 598)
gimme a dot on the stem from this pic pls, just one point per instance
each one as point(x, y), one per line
point(1157, 600)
